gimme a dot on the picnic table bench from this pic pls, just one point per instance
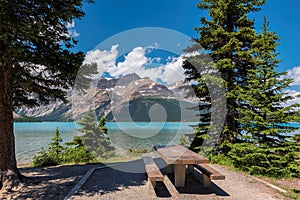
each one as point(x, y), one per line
point(153, 172)
point(208, 174)
point(179, 156)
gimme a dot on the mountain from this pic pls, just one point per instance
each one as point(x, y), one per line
point(129, 98)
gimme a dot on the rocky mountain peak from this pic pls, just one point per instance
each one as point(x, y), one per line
point(105, 84)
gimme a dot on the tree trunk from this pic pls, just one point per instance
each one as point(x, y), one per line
point(9, 175)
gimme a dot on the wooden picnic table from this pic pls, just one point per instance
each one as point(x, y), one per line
point(179, 157)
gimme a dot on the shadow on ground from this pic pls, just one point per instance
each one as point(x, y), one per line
point(120, 178)
point(49, 182)
point(56, 182)
point(194, 186)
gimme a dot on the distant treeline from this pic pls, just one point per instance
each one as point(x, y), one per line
point(27, 119)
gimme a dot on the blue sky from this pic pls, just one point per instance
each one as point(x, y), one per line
point(106, 18)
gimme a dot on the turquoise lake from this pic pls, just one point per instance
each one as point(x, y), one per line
point(31, 136)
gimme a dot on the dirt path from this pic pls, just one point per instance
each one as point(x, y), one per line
point(120, 183)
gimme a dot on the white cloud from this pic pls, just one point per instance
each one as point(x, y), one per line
point(137, 62)
point(104, 59)
point(296, 99)
point(294, 74)
point(134, 62)
point(173, 70)
point(294, 94)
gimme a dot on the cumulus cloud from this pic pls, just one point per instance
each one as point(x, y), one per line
point(294, 74)
point(104, 59)
point(173, 70)
point(134, 62)
point(137, 62)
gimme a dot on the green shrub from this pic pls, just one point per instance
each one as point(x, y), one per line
point(257, 170)
point(77, 155)
point(294, 169)
point(258, 160)
point(43, 159)
point(184, 141)
point(137, 151)
point(220, 159)
point(71, 152)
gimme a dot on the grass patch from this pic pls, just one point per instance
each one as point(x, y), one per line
point(116, 159)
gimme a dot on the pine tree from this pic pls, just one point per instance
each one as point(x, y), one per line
point(94, 137)
point(227, 34)
point(102, 125)
point(265, 114)
point(36, 65)
point(55, 148)
point(210, 91)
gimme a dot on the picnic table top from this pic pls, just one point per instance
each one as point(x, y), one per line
point(179, 155)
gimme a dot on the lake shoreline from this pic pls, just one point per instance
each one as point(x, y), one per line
point(31, 136)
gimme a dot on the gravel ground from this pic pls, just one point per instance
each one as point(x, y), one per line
point(119, 182)
point(116, 183)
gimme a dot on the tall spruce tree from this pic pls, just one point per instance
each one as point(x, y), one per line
point(264, 110)
point(94, 136)
point(55, 147)
point(35, 65)
point(228, 34)
point(209, 88)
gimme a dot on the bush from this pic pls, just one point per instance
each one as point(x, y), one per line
point(184, 141)
point(72, 152)
point(43, 159)
point(138, 151)
point(77, 155)
point(257, 170)
point(220, 159)
point(258, 160)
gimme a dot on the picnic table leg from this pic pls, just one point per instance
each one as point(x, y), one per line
point(179, 175)
point(206, 181)
point(169, 169)
point(152, 183)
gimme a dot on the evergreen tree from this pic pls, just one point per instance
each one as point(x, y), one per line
point(257, 119)
point(265, 114)
point(76, 141)
point(55, 147)
point(94, 137)
point(76, 152)
point(208, 87)
point(268, 148)
point(54, 154)
point(228, 34)
point(35, 65)
point(102, 125)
